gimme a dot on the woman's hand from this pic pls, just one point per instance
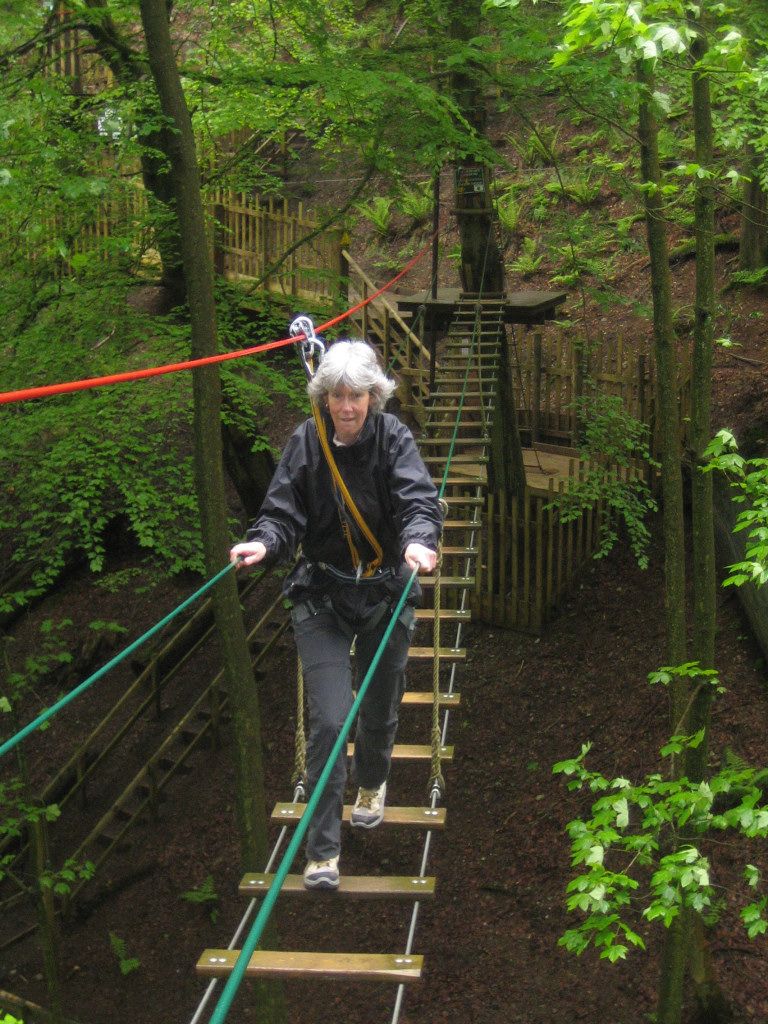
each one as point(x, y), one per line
point(250, 552)
point(421, 558)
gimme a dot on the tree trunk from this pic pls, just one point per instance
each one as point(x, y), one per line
point(712, 1005)
point(482, 269)
point(208, 457)
point(753, 238)
point(674, 959)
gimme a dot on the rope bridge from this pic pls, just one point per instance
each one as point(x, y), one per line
point(455, 443)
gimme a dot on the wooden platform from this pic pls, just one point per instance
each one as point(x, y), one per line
point(544, 464)
point(528, 306)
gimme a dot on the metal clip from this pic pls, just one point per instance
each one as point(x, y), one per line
point(311, 347)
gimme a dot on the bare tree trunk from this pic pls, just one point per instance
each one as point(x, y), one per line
point(208, 456)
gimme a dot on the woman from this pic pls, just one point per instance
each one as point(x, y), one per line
point(357, 556)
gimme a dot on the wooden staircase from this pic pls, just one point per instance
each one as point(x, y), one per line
point(458, 420)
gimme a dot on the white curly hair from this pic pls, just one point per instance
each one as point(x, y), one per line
point(351, 364)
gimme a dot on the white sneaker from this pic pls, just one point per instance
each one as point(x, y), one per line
point(368, 811)
point(322, 874)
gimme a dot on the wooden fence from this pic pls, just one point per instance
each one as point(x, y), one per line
point(260, 240)
point(250, 237)
point(530, 555)
point(550, 371)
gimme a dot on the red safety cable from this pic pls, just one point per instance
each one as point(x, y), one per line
point(6, 397)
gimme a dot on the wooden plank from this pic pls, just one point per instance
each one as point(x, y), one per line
point(219, 963)
point(412, 752)
point(426, 697)
point(462, 582)
point(444, 653)
point(352, 886)
point(451, 614)
point(409, 817)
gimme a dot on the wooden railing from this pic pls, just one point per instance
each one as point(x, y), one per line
point(402, 350)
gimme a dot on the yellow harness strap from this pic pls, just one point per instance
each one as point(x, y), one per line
point(349, 502)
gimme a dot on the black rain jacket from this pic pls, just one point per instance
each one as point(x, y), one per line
point(390, 486)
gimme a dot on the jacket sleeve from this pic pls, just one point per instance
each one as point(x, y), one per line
point(417, 509)
point(282, 518)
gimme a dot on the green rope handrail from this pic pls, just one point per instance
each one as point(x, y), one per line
point(229, 991)
point(51, 711)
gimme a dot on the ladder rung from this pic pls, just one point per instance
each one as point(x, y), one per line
point(448, 581)
point(418, 817)
point(462, 459)
point(446, 442)
point(424, 697)
point(452, 408)
point(457, 481)
point(452, 614)
point(469, 552)
point(445, 653)
point(219, 963)
point(412, 752)
point(352, 886)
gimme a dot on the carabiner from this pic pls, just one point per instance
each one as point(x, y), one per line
point(311, 346)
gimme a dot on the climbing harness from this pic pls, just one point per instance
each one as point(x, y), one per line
point(345, 503)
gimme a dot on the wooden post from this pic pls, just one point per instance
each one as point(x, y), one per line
point(219, 222)
point(343, 264)
point(536, 396)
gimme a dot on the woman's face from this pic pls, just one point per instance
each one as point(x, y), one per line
point(348, 411)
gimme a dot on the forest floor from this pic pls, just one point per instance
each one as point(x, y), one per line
point(490, 937)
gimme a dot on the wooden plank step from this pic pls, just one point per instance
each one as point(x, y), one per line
point(219, 963)
point(461, 524)
point(426, 697)
point(445, 653)
point(448, 581)
point(352, 886)
point(460, 481)
point(412, 752)
point(446, 442)
point(462, 458)
point(462, 499)
point(450, 614)
point(408, 817)
point(454, 407)
point(474, 393)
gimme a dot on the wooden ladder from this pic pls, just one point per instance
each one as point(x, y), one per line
point(477, 327)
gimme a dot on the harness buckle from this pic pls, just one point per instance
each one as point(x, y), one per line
point(311, 346)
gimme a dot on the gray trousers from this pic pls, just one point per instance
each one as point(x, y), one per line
point(324, 640)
